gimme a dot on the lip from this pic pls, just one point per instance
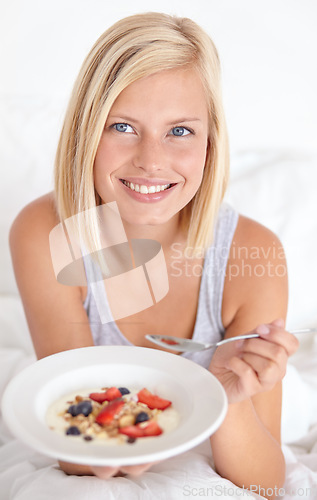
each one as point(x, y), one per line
point(147, 198)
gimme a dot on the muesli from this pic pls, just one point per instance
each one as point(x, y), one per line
point(112, 415)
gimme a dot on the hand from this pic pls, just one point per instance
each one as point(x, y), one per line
point(104, 472)
point(107, 472)
point(248, 367)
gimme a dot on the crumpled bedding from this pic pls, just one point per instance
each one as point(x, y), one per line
point(26, 474)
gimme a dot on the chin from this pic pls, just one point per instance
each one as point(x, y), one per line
point(145, 220)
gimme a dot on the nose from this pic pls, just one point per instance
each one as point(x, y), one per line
point(149, 154)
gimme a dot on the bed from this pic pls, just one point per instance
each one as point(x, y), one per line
point(269, 76)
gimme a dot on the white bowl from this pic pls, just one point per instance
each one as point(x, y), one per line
point(195, 393)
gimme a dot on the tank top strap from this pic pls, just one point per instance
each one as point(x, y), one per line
point(209, 326)
point(217, 261)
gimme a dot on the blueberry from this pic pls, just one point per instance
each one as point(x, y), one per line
point(88, 438)
point(73, 410)
point(73, 431)
point(141, 417)
point(124, 391)
point(131, 440)
point(84, 407)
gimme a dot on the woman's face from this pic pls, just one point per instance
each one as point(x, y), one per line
point(152, 152)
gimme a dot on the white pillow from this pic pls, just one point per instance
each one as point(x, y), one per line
point(279, 190)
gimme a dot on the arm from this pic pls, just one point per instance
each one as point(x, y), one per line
point(246, 448)
point(55, 314)
point(56, 318)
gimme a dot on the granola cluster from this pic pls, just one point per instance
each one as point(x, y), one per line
point(114, 413)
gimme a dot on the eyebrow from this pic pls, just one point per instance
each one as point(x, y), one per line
point(130, 119)
point(182, 120)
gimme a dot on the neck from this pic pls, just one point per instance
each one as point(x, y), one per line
point(166, 234)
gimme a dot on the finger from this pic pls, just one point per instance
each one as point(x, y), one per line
point(136, 470)
point(104, 472)
point(268, 371)
point(248, 380)
point(281, 337)
point(279, 322)
point(267, 350)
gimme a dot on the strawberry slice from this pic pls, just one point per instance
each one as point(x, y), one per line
point(170, 342)
point(110, 394)
point(107, 414)
point(152, 400)
point(99, 397)
point(136, 431)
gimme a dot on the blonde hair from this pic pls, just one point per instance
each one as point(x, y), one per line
point(132, 48)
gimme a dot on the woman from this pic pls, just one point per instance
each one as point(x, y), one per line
point(145, 128)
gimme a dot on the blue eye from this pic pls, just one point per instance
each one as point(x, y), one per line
point(180, 131)
point(122, 127)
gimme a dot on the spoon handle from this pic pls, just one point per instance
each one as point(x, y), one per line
point(255, 335)
point(233, 339)
point(303, 330)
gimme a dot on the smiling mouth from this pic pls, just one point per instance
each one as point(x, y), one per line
point(141, 188)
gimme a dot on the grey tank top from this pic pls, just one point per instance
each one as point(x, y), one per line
point(208, 325)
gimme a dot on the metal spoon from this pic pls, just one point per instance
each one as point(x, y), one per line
point(188, 345)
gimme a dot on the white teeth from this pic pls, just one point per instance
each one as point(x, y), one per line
point(145, 189)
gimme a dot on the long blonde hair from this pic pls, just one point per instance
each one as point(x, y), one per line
point(132, 48)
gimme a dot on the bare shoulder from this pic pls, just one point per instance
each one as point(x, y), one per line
point(257, 251)
point(256, 275)
point(29, 234)
point(55, 313)
point(249, 232)
point(34, 221)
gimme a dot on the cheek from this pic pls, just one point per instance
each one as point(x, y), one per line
point(102, 160)
point(104, 164)
point(102, 174)
point(193, 163)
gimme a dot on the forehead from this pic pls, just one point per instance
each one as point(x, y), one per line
point(170, 91)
